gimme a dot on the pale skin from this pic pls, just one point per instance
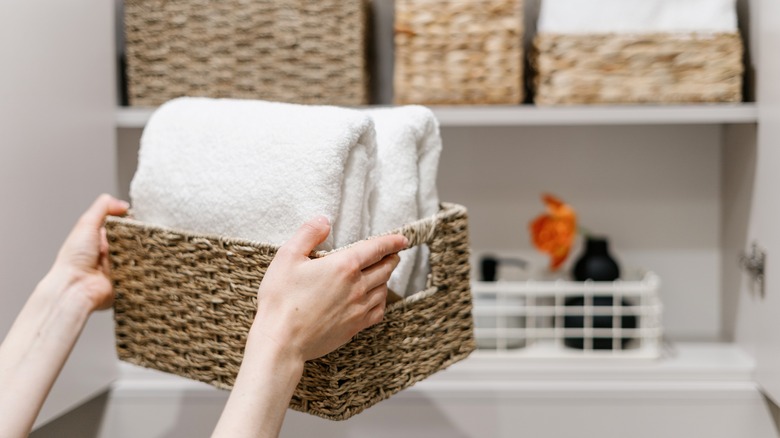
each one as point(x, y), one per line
point(306, 309)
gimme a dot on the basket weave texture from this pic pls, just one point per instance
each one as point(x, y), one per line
point(287, 50)
point(458, 52)
point(651, 68)
point(185, 303)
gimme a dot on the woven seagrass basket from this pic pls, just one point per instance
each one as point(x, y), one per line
point(636, 68)
point(285, 50)
point(184, 305)
point(458, 52)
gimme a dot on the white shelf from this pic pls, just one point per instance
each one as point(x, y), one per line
point(128, 117)
point(529, 115)
point(680, 362)
point(688, 364)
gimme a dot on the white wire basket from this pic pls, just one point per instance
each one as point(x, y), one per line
point(570, 319)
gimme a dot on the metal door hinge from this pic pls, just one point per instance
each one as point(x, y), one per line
point(753, 264)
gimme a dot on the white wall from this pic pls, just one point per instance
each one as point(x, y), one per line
point(57, 149)
point(654, 190)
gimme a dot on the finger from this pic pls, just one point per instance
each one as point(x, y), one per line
point(308, 236)
point(376, 296)
point(369, 252)
point(104, 205)
point(378, 273)
point(375, 315)
point(104, 262)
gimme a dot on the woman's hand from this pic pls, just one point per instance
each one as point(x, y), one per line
point(47, 328)
point(82, 263)
point(305, 309)
point(314, 306)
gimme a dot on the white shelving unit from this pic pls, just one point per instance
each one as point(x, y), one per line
point(686, 373)
point(130, 121)
point(660, 168)
point(530, 115)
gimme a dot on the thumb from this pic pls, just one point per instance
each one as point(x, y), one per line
point(309, 235)
point(104, 205)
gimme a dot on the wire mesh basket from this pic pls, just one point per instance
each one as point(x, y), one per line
point(570, 319)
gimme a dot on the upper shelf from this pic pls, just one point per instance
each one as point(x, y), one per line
point(530, 115)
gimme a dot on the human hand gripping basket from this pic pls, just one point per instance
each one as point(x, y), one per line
point(185, 303)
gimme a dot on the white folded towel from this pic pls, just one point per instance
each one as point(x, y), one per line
point(408, 150)
point(637, 16)
point(255, 170)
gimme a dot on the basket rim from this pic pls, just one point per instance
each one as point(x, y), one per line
point(447, 210)
point(421, 231)
point(682, 34)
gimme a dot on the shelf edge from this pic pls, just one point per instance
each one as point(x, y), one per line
point(530, 116)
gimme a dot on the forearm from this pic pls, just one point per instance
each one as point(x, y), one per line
point(35, 350)
point(262, 391)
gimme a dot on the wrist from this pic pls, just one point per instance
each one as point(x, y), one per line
point(60, 288)
point(285, 356)
point(269, 374)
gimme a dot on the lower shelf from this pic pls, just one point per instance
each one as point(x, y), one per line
point(692, 364)
point(692, 390)
point(679, 362)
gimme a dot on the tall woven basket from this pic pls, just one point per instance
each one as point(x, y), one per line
point(185, 303)
point(637, 68)
point(458, 52)
point(286, 50)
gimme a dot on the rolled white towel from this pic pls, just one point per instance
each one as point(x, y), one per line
point(637, 16)
point(255, 169)
point(408, 150)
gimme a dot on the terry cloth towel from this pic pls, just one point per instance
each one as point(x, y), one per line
point(637, 16)
point(255, 170)
point(408, 150)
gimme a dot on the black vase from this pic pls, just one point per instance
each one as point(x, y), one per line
point(598, 265)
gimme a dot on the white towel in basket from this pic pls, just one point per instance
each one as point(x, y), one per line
point(637, 16)
point(408, 150)
point(255, 169)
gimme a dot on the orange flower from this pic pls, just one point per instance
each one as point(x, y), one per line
point(553, 233)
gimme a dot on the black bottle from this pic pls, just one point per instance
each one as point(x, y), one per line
point(598, 265)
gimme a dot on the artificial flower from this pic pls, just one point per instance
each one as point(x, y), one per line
point(554, 232)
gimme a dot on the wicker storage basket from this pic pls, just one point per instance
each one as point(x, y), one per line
point(458, 51)
point(184, 305)
point(286, 50)
point(636, 68)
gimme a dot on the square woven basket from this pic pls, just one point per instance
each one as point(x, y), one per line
point(185, 303)
point(458, 52)
point(637, 68)
point(285, 50)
